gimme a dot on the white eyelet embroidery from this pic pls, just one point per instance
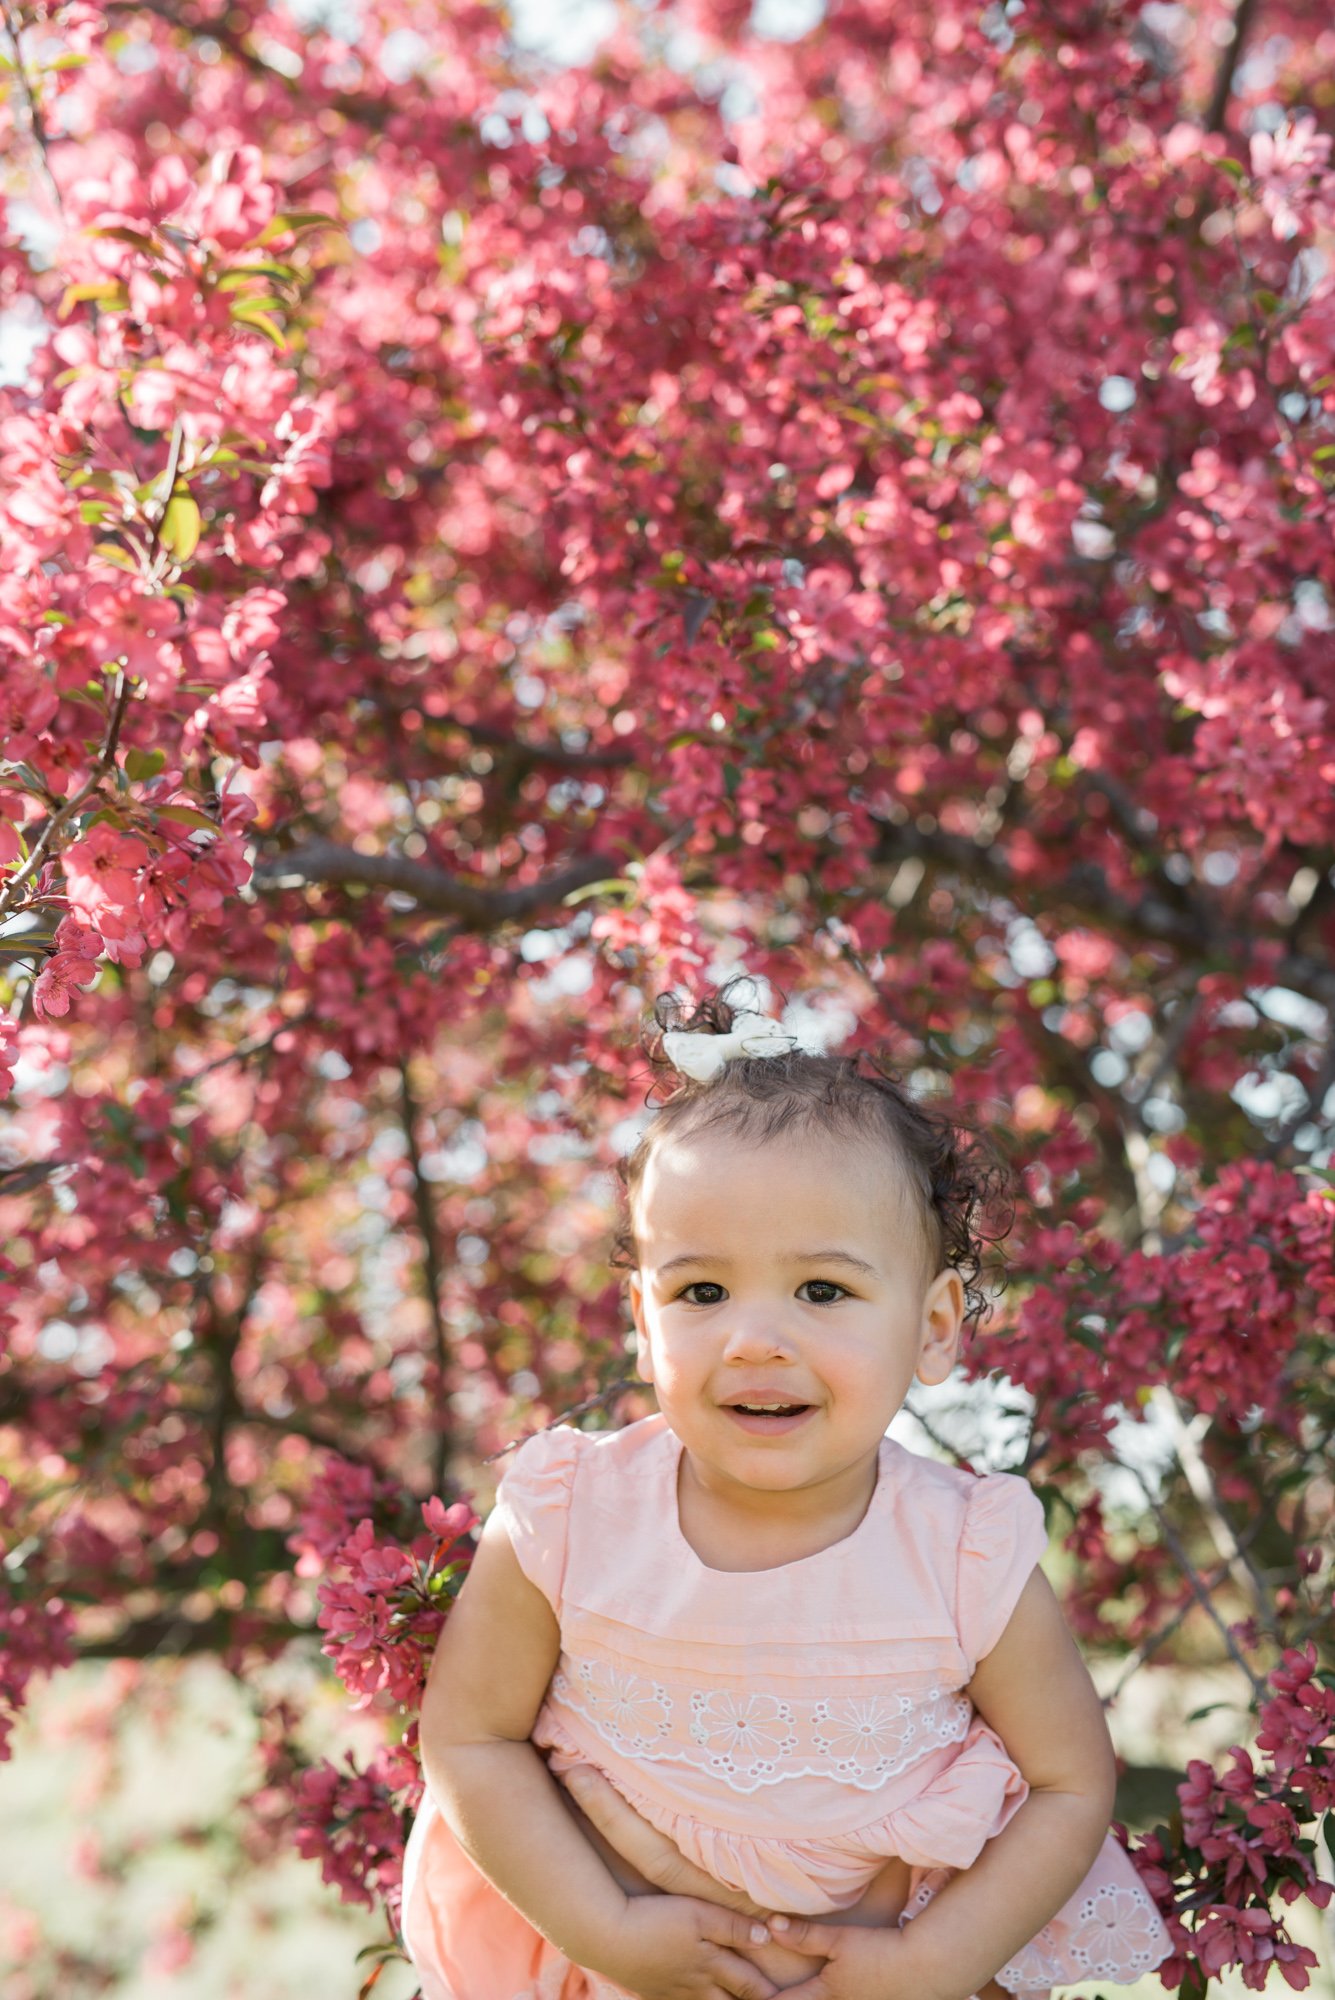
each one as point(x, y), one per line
point(750, 1740)
point(1118, 1936)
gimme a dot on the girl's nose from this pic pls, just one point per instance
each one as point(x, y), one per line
point(757, 1337)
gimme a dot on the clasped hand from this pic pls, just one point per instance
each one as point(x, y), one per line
point(696, 1940)
point(682, 1948)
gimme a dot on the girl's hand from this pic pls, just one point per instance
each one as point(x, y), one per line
point(680, 1948)
point(621, 1836)
point(642, 1859)
point(860, 1964)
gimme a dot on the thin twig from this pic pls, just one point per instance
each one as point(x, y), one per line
point(33, 110)
point(1201, 1481)
point(243, 1051)
point(596, 1402)
point(1310, 1109)
point(1148, 1647)
point(107, 758)
point(432, 1271)
point(1198, 1589)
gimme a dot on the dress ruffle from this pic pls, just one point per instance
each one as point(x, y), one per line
point(944, 1825)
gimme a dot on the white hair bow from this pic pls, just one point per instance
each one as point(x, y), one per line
point(702, 1056)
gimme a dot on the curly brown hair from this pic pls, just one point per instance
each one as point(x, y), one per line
point(961, 1187)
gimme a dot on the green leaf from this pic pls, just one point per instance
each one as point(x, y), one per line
point(187, 816)
point(141, 765)
point(611, 885)
point(261, 322)
point(240, 272)
point(181, 525)
point(111, 552)
point(294, 224)
point(1233, 168)
point(108, 292)
point(256, 302)
point(135, 237)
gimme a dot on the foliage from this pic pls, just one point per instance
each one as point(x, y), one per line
point(482, 541)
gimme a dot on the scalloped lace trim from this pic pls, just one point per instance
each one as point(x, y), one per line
point(750, 1740)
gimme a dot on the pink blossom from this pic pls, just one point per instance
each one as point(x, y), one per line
point(101, 877)
point(127, 621)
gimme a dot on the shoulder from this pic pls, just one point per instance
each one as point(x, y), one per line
point(560, 1458)
point(565, 1487)
point(975, 1511)
point(945, 1491)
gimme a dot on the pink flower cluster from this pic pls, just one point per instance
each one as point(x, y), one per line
point(1297, 1733)
point(1243, 1839)
point(1218, 1317)
point(353, 1823)
point(382, 1605)
point(36, 1636)
point(145, 885)
point(344, 1494)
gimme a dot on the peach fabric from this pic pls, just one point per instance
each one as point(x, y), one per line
point(789, 1729)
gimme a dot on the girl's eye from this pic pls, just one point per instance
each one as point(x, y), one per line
point(826, 1287)
point(703, 1285)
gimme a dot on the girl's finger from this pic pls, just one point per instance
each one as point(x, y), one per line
point(739, 1979)
point(656, 1858)
point(730, 1928)
point(807, 1935)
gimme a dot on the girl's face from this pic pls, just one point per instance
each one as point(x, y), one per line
point(784, 1304)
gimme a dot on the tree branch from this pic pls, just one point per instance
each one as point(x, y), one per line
point(358, 110)
point(431, 888)
point(1192, 929)
point(1216, 116)
point(1198, 1589)
point(33, 109)
point(432, 1269)
point(513, 749)
point(172, 1635)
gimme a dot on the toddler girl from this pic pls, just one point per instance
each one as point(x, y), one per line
point(825, 1671)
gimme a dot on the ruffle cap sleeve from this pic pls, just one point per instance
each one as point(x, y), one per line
point(534, 1504)
point(1003, 1538)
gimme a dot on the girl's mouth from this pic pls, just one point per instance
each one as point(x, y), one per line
point(769, 1419)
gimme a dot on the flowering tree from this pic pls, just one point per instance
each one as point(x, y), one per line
point(481, 542)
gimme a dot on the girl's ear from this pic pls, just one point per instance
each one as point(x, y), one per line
point(644, 1359)
point(942, 1325)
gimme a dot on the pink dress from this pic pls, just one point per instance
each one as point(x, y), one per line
point(789, 1729)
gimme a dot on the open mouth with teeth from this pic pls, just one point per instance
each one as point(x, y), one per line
point(768, 1418)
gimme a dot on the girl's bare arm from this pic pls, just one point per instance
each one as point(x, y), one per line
point(493, 1662)
point(1034, 1690)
